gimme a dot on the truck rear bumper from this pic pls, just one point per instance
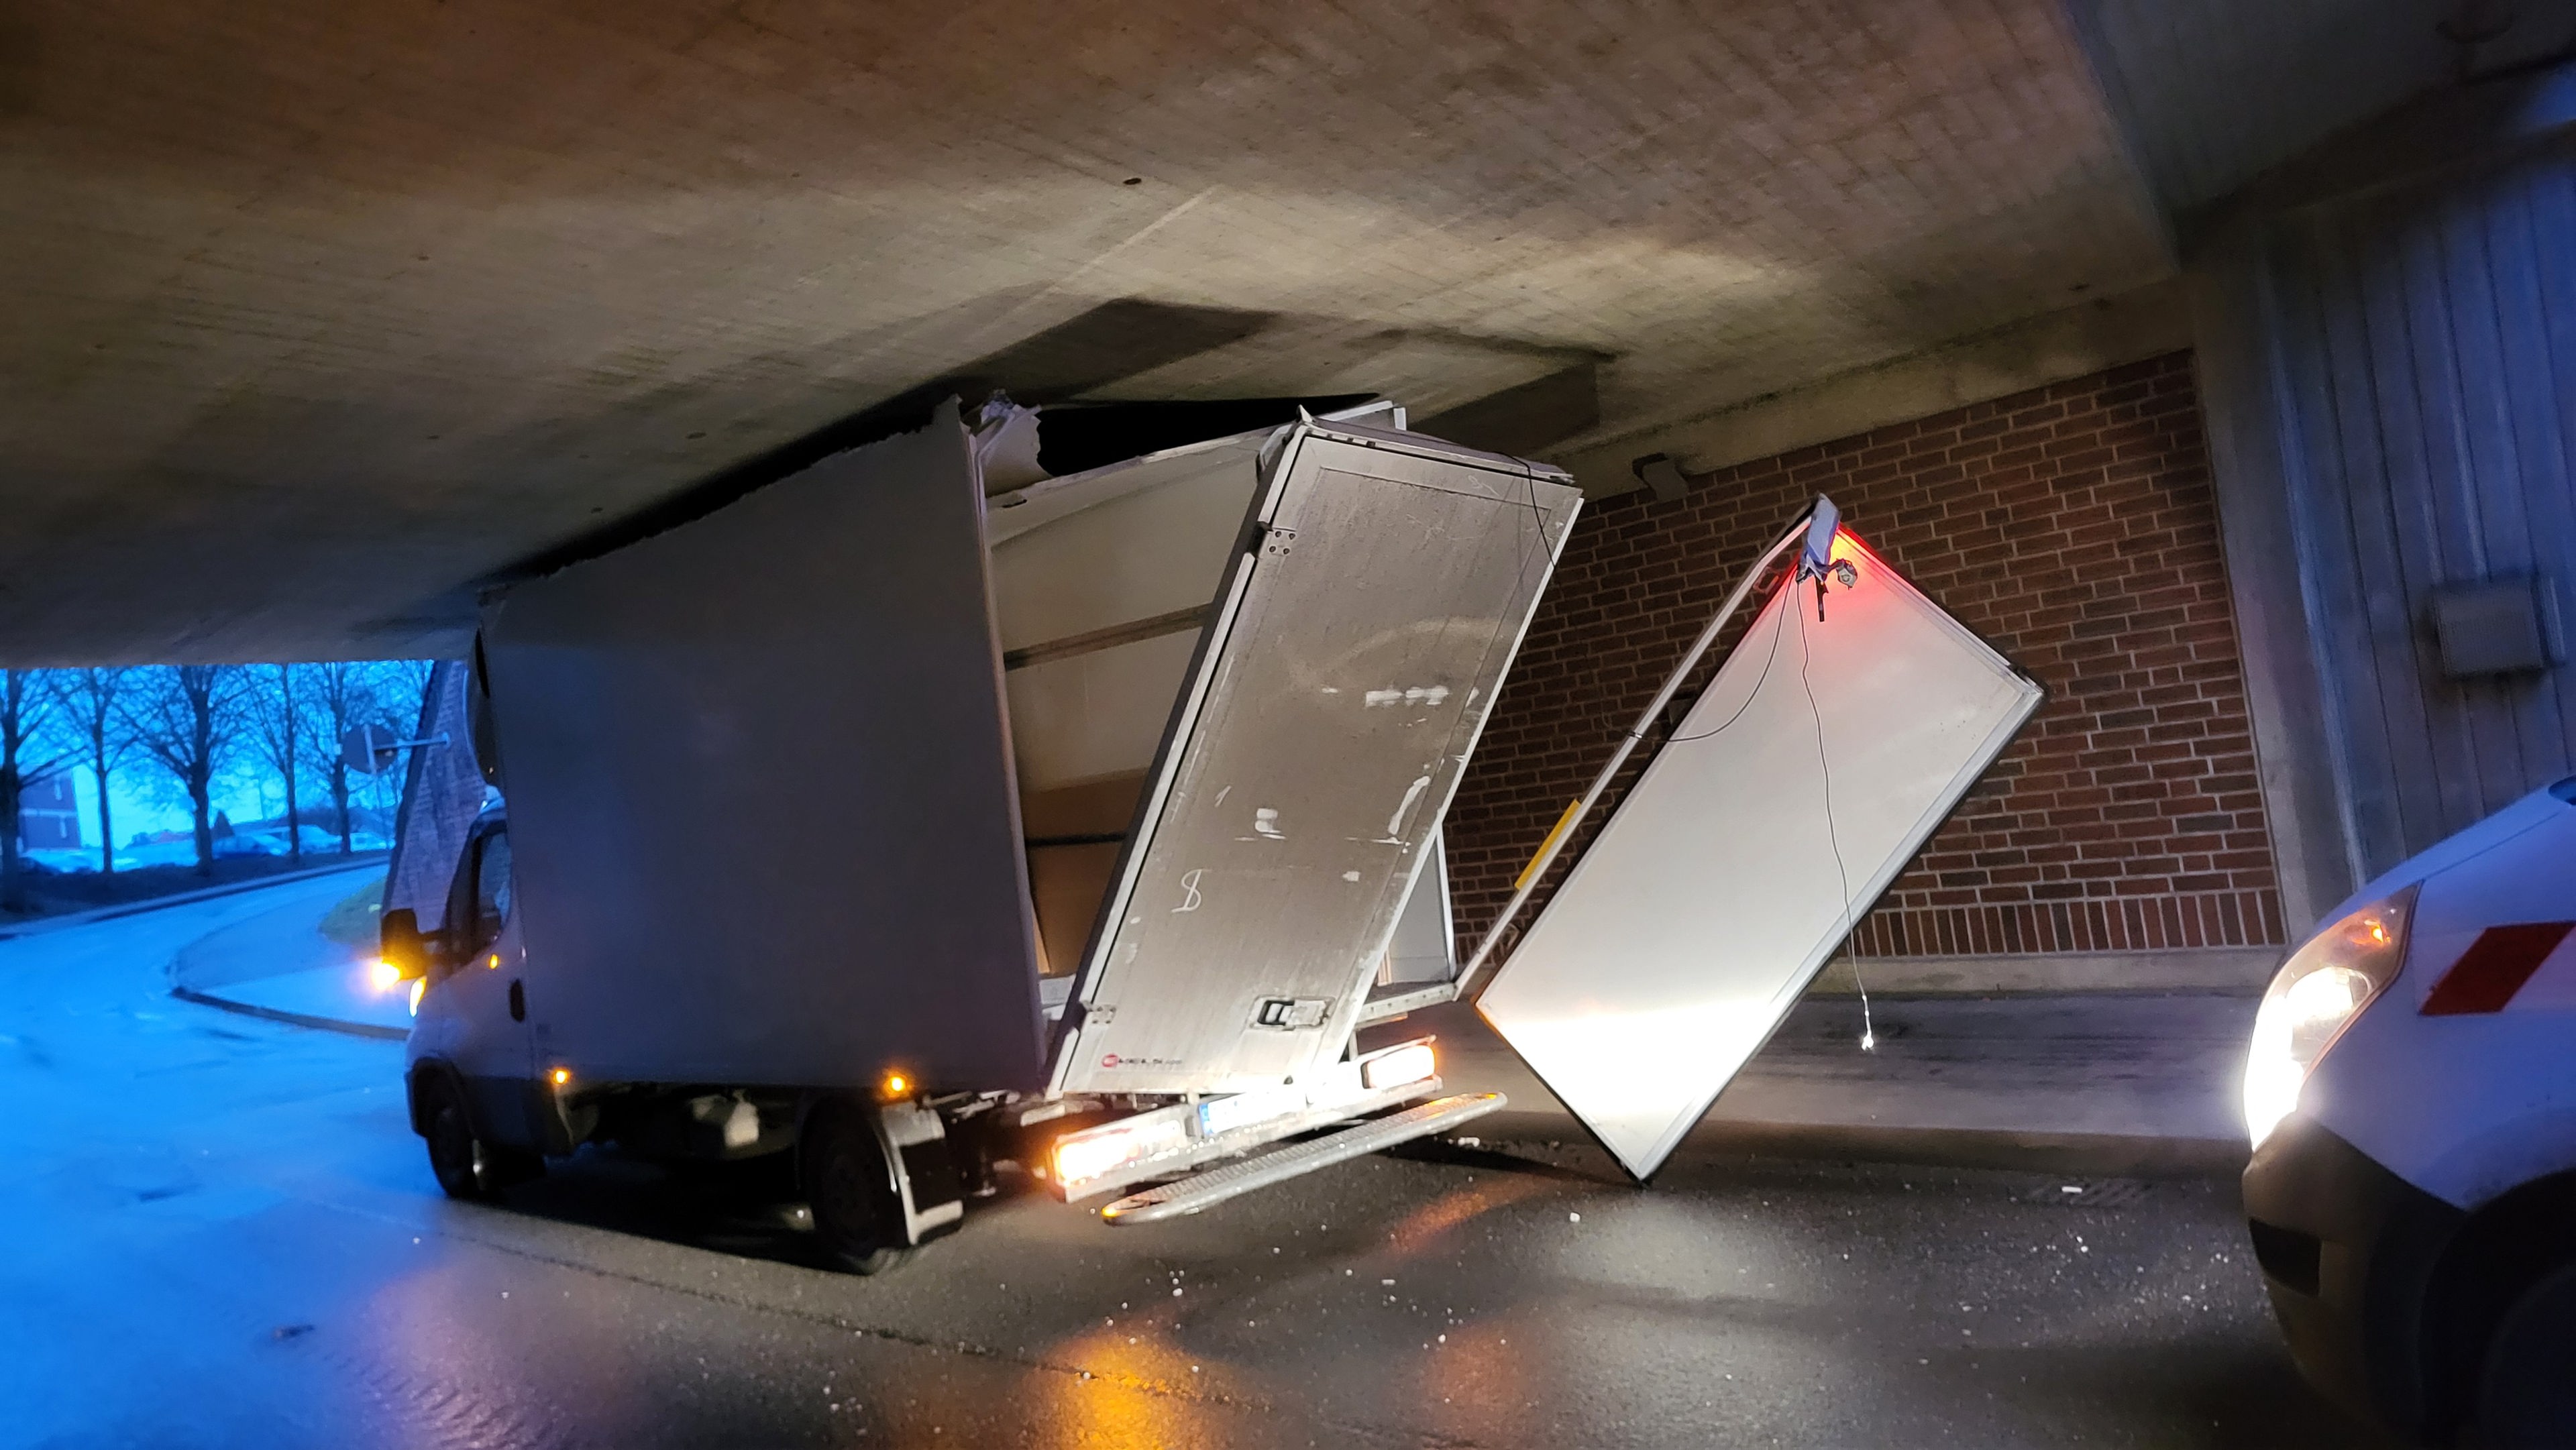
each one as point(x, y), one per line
point(2348, 1251)
point(1189, 1195)
point(1188, 1154)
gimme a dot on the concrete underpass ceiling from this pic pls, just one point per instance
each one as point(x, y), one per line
point(318, 313)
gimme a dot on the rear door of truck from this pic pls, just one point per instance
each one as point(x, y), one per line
point(1354, 653)
point(1820, 758)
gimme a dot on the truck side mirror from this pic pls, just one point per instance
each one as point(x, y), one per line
point(400, 943)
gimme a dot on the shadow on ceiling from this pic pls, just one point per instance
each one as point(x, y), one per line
point(1101, 347)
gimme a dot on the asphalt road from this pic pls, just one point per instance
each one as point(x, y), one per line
point(222, 1233)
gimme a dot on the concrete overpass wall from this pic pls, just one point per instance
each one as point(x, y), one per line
point(2074, 526)
point(2383, 338)
point(2389, 332)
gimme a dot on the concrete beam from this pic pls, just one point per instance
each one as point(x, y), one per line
point(2145, 322)
point(2303, 795)
point(2257, 457)
point(319, 314)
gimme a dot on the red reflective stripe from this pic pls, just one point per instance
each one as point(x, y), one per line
point(2494, 968)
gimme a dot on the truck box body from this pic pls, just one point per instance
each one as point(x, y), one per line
point(760, 791)
point(822, 785)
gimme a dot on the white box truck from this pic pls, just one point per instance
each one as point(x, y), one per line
point(920, 815)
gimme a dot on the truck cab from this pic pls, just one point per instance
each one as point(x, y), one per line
point(492, 1109)
point(469, 1067)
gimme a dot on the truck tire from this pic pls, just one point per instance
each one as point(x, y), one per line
point(467, 1166)
point(851, 1190)
point(2526, 1396)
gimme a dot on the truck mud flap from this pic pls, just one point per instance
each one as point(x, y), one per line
point(1354, 651)
point(1804, 778)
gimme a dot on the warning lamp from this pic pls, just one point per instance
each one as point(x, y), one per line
point(894, 1087)
point(401, 945)
point(384, 976)
point(560, 1077)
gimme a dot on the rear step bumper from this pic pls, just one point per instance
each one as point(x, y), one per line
point(1189, 1195)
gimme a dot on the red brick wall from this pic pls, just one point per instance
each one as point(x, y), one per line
point(2072, 526)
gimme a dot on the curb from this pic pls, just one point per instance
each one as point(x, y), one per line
point(155, 903)
point(2218, 971)
point(2075, 1154)
point(293, 1019)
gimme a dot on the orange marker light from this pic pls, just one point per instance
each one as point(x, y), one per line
point(561, 1076)
point(384, 976)
point(495, 963)
point(896, 1085)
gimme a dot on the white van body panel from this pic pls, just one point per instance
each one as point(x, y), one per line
point(464, 1016)
point(2468, 1105)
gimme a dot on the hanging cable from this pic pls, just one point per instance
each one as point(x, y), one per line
point(1868, 1031)
point(1471, 976)
point(1778, 621)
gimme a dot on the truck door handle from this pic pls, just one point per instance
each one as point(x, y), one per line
point(518, 1001)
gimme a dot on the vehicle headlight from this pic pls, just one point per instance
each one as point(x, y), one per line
point(2313, 998)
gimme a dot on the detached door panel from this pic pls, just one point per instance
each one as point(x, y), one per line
point(1813, 767)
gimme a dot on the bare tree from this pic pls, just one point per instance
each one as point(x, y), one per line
point(24, 705)
point(187, 720)
point(86, 713)
point(272, 721)
point(403, 688)
point(402, 683)
point(338, 697)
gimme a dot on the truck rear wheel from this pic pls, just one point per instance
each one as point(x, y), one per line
point(2525, 1397)
point(466, 1165)
point(851, 1189)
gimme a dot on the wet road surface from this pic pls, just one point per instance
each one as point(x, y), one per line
point(222, 1233)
